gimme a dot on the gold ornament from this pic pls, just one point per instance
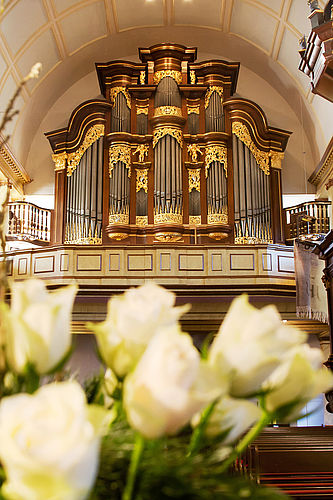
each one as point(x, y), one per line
point(159, 75)
point(216, 153)
point(75, 237)
point(194, 179)
point(120, 152)
point(141, 220)
point(194, 149)
point(276, 158)
point(168, 110)
point(250, 240)
point(117, 236)
point(192, 77)
point(142, 110)
point(118, 218)
point(210, 92)
point(243, 134)
point(217, 236)
point(162, 131)
point(168, 237)
point(142, 149)
point(114, 91)
point(195, 220)
point(92, 135)
point(142, 77)
point(221, 218)
point(142, 179)
point(193, 109)
point(164, 218)
point(59, 161)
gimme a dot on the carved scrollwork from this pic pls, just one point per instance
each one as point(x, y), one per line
point(142, 110)
point(114, 91)
point(243, 134)
point(142, 180)
point(163, 218)
point(162, 131)
point(192, 77)
point(93, 134)
point(221, 218)
point(60, 160)
point(216, 153)
point(120, 152)
point(210, 92)
point(159, 75)
point(276, 158)
point(141, 220)
point(168, 111)
point(142, 77)
point(118, 218)
point(194, 179)
point(195, 220)
point(193, 108)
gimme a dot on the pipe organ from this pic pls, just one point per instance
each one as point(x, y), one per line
point(169, 153)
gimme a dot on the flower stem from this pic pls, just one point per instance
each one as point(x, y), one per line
point(133, 467)
point(247, 439)
point(199, 431)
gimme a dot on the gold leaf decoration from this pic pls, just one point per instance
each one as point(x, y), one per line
point(216, 153)
point(159, 75)
point(276, 158)
point(194, 149)
point(195, 220)
point(194, 179)
point(141, 220)
point(162, 218)
point(192, 77)
point(162, 131)
point(142, 110)
point(120, 152)
point(142, 149)
point(118, 218)
point(168, 110)
point(210, 92)
point(59, 161)
point(243, 134)
point(142, 180)
point(93, 134)
point(114, 91)
point(142, 77)
point(193, 109)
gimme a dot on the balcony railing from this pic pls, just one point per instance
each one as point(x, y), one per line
point(28, 222)
point(312, 217)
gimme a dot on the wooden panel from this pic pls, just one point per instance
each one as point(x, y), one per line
point(44, 264)
point(64, 262)
point(114, 262)
point(216, 262)
point(242, 262)
point(22, 266)
point(192, 262)
point(266, 262)
point(286, 264)
point(165, 262)
point(137, 262)
point(89, 262)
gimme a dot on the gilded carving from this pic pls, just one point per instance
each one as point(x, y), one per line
point(159, 75)
point(118, 218)
point(142, 180)
point(117, 236)
point(142, 77)
point(168, 237)
point(141, 220)
point(218, 218)
point(93, 134)
point(75, 237)
point(114, 91)
point(192, 77)
point(243, 134)
point(142, 149)
point(142, 110)
point(195, 220)
point(210, 92)
point(276, 158)
point(194, 149)
point(218, 236)
point(120, 152)
point(163, 218)
point(194, 179)
point(250, 240)
point(60, 160)
point(162, 131)
point(216, 153)
point(168, 110)
point(193, 109)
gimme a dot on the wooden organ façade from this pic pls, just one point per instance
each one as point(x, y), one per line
point(169, 155)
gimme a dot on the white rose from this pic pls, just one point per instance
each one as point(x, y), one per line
point(250, 344)
point(300, 378)
point(169, 385)
point(132, 320)
point(49, 443)
point(231, 418)
point(38, 325)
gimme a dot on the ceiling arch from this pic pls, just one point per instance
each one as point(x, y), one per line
point(69, 36)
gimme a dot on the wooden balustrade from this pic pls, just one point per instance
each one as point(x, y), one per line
point(308, 218)
point(28, 222)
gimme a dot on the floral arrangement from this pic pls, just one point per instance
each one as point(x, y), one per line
point(164, 420)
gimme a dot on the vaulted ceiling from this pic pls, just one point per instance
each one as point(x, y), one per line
point(69, 36)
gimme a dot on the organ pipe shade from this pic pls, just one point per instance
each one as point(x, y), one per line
point(251, 196)
point(214, 116)
point(120, 115)
point(167, 93)
point(168, 194)
point(84, 204)
point(119, 191)
point(217, 192)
